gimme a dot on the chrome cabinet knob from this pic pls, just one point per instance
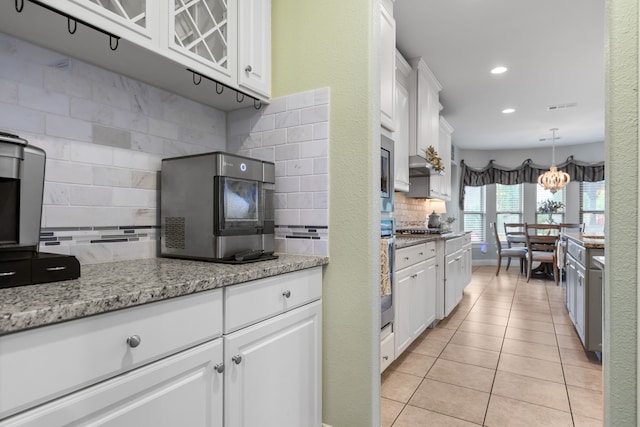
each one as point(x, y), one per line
point(219, 368)
point(420, 253)
point(248, 69)
point(134, 340)
point(237, 359)
point(286, 293)
point(385, 357)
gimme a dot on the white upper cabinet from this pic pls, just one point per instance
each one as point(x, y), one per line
point(254, 47)
point(401, 133)
point(205, 32)
point(158, 41)
point(135, 20)
point(387, 65)
point(424, 109)
point(441, 184)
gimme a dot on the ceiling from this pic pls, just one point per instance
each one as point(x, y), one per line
point(554, 51)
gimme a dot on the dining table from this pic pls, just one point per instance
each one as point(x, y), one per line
point(542, 271)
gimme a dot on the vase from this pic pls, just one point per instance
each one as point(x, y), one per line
point(550, 219)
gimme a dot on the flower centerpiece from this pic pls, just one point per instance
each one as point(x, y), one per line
point(550, 207)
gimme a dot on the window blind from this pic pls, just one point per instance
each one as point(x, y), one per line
point(509, 206)
point(474, 213)
point(592, 200)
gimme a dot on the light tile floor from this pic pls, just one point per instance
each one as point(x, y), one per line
point(507, 356)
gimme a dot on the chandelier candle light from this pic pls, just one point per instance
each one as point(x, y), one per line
point(553, 179)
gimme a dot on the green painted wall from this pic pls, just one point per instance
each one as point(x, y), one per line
point(621, 300)
point(329, 44)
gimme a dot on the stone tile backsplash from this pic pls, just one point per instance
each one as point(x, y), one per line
point(293, 133)
point(106, 134)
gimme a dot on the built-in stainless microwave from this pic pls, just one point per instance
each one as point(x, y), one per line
point(386, 174)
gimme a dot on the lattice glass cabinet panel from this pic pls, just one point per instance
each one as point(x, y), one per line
point(201, 28)
point(133, 11)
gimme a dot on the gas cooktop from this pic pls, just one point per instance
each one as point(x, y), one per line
point(418, 230)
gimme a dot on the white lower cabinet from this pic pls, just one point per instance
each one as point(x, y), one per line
point(273, 371)
point(415, 303)
point(184, 389)
point(171, 363)
point(457, 270)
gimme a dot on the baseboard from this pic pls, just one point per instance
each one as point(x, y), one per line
point(325, 425)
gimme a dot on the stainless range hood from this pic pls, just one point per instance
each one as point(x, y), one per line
point(420, 171)
point(419, 166)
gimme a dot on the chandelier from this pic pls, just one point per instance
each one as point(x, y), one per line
point(553, 179)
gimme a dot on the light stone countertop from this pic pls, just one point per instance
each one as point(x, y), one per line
point(115, 285)
point(406, 240)
point(588, 241)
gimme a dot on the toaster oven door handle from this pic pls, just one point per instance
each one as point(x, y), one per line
point(7, 273)
point(60, 268)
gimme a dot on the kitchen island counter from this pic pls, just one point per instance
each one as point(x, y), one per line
point(111, 286)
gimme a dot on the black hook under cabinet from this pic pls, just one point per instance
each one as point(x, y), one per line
point(113, 39)
point(257, 103)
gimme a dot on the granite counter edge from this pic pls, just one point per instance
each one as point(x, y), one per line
point(29, 319)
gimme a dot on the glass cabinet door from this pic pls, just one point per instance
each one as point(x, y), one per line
point(133, 11)
point(201, 28)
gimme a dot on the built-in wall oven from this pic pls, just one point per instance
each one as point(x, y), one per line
point(387, 279)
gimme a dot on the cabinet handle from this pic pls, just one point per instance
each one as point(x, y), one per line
point(420, 253)
point(237, 359)
point(219, 368)
point(134, 341)
point(385, 357)
point(406, 258)
point(8, 273)
point(286, 293)
point(248, 69)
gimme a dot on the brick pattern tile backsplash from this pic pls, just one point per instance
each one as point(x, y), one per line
point(105, 136)
point(292, 132)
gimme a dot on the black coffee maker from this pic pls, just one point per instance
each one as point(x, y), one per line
point(21, 187)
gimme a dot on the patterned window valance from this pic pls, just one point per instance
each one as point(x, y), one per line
point(526, 172)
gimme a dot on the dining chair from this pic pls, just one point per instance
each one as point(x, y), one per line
point(514, 233)
point(542, 241)
point(518, 252)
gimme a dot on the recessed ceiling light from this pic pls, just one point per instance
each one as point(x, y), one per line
point(499, 70)
point(508, 110)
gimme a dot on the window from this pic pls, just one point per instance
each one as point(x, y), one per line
point(592, 206)
point(474, 213)
point(543, 195)
point(508, 206)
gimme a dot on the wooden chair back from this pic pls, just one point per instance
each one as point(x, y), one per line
point(542, 237)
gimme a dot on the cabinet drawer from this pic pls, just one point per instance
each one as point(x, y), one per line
point(386, 352)
point(44, 363)
point(454, 245)
point(406, 257)
point(254, 301)
point(15, 273)
point(431, 249)
point(577, 251)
